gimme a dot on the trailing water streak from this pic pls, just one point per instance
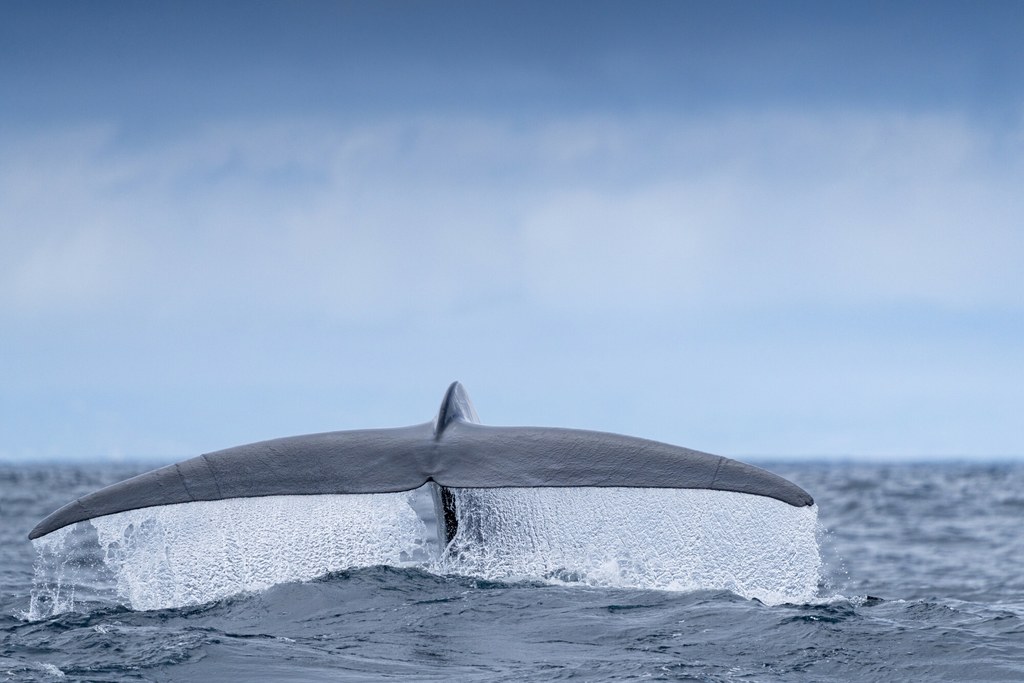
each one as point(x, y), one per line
point(672, 539)
point(185, 554)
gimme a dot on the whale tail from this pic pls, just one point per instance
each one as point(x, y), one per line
point(454, 451)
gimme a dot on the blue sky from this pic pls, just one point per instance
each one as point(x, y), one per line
point(757, 229)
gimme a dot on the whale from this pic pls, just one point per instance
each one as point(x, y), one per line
point(452, 451)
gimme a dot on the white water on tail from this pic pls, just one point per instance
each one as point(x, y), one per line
point(669, 539)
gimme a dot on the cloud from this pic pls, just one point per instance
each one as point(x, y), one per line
point(372, 220)
point(778, 210)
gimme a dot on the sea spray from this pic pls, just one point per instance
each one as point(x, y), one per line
point(669, 539)
point(187, 554)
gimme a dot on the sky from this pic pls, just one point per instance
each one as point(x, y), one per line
point(764, 230)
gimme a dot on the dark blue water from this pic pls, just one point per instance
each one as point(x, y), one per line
point(922, 581)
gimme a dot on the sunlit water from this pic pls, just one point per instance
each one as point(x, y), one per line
point(913, 573)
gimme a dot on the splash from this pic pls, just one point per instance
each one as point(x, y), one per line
point(187, 554)
point(670, 539)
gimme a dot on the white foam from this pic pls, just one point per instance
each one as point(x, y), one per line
point(671, 539)
point(51, 670)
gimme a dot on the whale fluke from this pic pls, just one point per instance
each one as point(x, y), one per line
point(453, 451)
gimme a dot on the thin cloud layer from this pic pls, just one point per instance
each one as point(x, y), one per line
point(585, 215)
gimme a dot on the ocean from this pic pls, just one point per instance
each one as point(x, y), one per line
point(915, 573)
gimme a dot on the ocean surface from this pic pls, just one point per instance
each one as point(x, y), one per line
point(911, 572)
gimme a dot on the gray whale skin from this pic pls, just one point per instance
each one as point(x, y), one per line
point(453, 451)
